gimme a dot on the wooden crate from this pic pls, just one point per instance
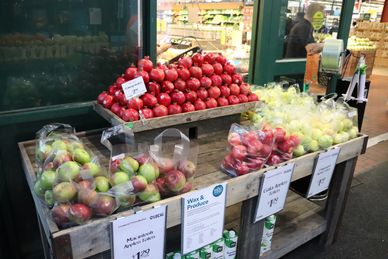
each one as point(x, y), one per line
point(93, 238)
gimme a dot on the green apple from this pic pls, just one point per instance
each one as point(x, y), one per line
point(299, 151)
point(47, 179)
point(81, 156)
point(68, 171)
point(43, 152)
point(119, 177)
point(150, 194)
point(102, 184)
point(148, 171)
point(347, 124)
point(345, 136)
point(49, 198)
point(38, 188)
point(353, 132)
point(314, 145)
point(59, 145)
point(337, 138)
point(74, 145)
point(91, 168)
point(306, 143)
point(325, 141)
point(129, 165)
point(316, 134)
point(64, 192)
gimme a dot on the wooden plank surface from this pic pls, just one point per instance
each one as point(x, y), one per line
point(93, 238)
point(176, 119)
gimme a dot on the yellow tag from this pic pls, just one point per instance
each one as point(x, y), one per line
point(318, 20)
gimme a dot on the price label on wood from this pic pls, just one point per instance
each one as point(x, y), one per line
point(203, 217)
point(273, 191)
point(323, 171)
point(134, 88)
point(141, 235)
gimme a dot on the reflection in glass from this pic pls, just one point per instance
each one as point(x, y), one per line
point(56, 52)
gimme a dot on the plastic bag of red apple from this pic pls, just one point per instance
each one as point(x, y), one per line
point(176, 157)
point(248, 149)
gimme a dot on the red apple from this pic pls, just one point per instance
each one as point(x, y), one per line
point(60, 214)
point(211, 103)
point(245, 89)
point(193, 84)
point(255, 163)
point(101, 97)
point(265, 150)
point(139, 183)
point(242, 98)
point(165, 165)
point(108, 101)
point(180, 85)
point(149, 100)
point(196, 72)
point(249, 137)
point(186, 188)
point(216, 80)
point(234, 139)
point(233, 99)
point(184, 73)
point(147, 113)
point(171, 74)
point(130, 115)
point(202, 94)
point(188, 168)
point(119, 81)
point(274, 159)
point(105, 205)
point(161, 184)
point(237, 79)
point(130, 73)
point(207, 69)
point(228, 162)
point(234, 89)
point(191, 96)
point(239, 152)
point(218, 69)
point(225, 91)
point(153, 88)
point(178, 97)
point(79, 213)
point(160, 111)
point(241, 168)
point(214, 92)
point(199, 105)
point(206, 82)
point(188, 107)
point(156, 74)
point(112, 89)
point(174, 109)
point(226, 79)
point(253, 97)
point(175, 180)
point(254, 147)
point(280, 135)
point(295, 139)
point(222, 101)
point(164, 99)
point(168, 87)
point(197, 59)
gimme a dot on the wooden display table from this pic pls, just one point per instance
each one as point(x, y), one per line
point(300, 221)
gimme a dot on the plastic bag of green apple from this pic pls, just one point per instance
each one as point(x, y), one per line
point(132, 172)
point(66, 160)
point(176, 157)
point(346, 119)
point(248, 150)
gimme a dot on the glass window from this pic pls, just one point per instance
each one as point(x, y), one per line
point(309, 21)
point(61, 51)
point(214, 26)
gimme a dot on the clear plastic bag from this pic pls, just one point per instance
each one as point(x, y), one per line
point(248, 150)
point(176, 157)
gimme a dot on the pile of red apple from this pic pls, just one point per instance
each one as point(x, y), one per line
point(200, 82)
point(249, 150)
point(283, 147)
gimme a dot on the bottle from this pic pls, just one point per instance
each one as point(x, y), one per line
point(230, 245)
point(206, 252)
point(218, 249)
point(192, 255)
point(269, 225)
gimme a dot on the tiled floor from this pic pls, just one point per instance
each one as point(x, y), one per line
point(375, 121)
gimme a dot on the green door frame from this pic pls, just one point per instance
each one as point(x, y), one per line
point(267, 41)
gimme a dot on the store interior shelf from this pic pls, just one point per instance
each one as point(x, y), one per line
point(177, 118)
point(94, 236)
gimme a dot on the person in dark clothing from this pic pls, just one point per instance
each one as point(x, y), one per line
point(300, 41)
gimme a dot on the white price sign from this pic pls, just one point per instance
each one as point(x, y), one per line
point(203, 217)
point(134, 88)
point(323, 171)
point(273, 191)
point(141, 235)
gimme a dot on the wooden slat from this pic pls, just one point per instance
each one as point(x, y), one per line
point(176, 119)
point(93, 238)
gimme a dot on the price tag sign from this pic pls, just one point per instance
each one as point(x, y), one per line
point(202, 217)
point(273, 191)
point(134, 88)
point(323, 171)
point(141, 235)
